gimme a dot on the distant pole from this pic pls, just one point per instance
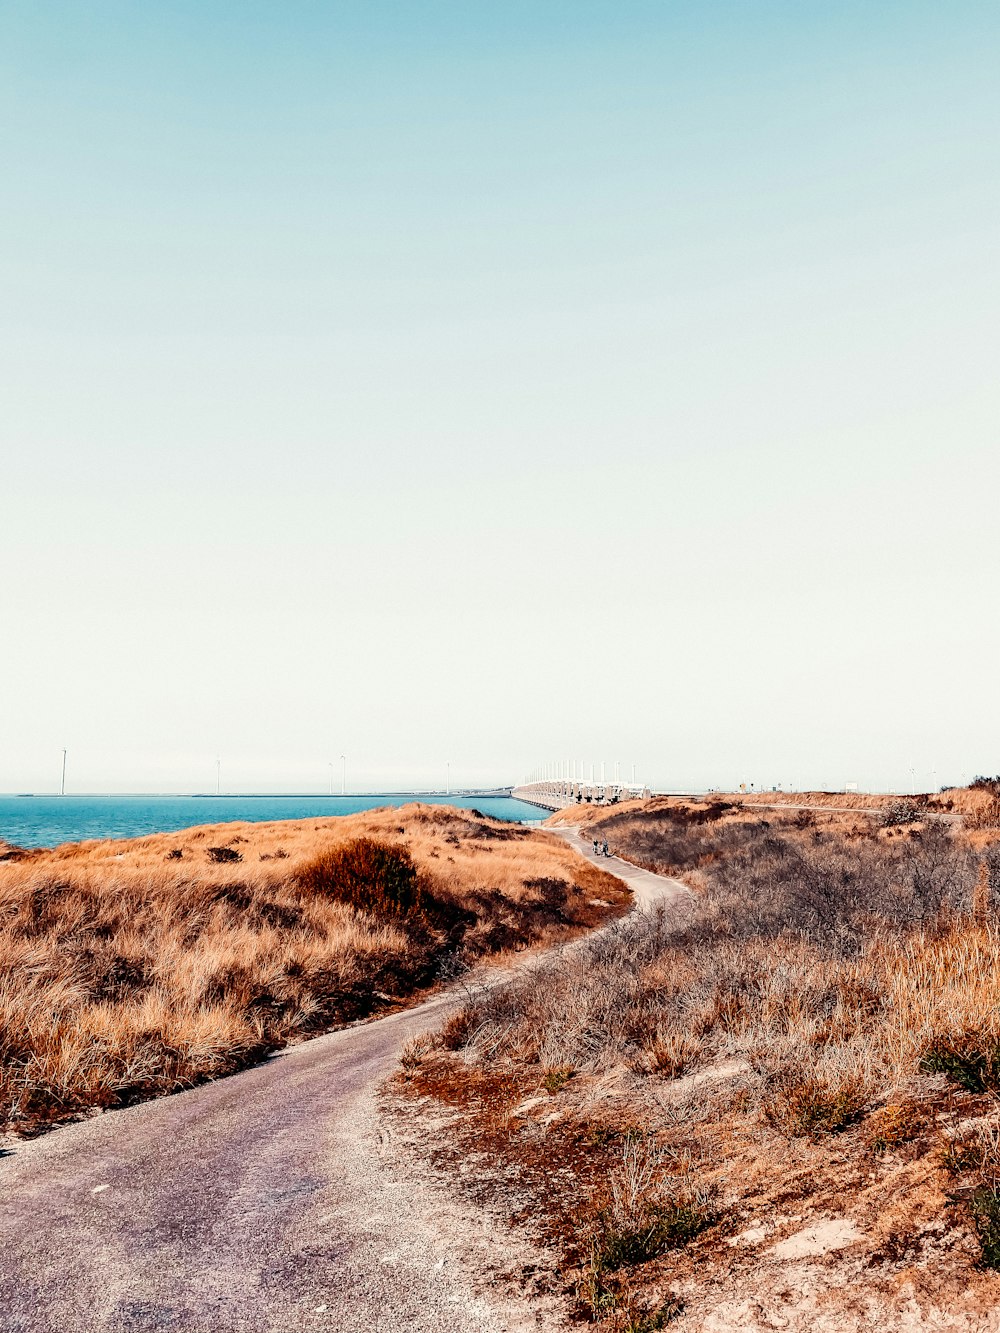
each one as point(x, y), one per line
point(330, 766)
point(448, 778)
point(62, 787)
point(343, 781)
point(633, 775)
point(218, 777)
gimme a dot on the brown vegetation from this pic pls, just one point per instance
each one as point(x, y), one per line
point(814, 1039)
point(134, 968)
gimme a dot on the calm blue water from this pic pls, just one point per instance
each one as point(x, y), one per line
point(45, 821)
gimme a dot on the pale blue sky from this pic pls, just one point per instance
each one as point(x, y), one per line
point(487, 383)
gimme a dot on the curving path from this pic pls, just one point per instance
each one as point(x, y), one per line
point(647, 888)
point(273, 1201)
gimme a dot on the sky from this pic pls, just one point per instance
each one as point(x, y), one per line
point(485, 385)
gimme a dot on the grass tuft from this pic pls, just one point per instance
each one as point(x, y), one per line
point(367, 873)
point(806, 1103)
point(554, 1079)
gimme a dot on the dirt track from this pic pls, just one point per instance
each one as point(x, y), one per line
point(268, 1202)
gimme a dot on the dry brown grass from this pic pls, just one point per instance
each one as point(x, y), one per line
point(978, 805)
point(133, 968)
point(833, 800)
point(816, 1027)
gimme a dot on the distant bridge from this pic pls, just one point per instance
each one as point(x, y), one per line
point(560, 793)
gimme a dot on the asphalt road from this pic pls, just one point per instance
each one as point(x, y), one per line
point(269, 1202)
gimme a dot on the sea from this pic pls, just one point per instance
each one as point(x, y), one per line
point(47, 821)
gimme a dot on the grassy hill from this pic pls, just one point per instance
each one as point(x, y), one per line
point(129, 969)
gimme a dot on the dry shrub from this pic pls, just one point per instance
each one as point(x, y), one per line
point(896, 1124)
point(414, 1052)
point(456, 1030)
point(368, 874)
point(218, 855)
point(899, 813)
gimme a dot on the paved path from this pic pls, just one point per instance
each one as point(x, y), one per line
point(269, 1202)
point(647, 888)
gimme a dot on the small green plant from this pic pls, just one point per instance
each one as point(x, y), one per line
point(594, 1293)
point(804, 1104)
point(646, 1321)
point(605, 1299)
point(985, 1208)
point(961, 1156)
point(978, 1155)
point(624, 1246)
point(557, 1078)
point(658, 1228)
point(970, 1060)
point(602, 1136)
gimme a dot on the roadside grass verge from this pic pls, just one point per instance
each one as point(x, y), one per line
point(130, 969)
point(803, 1039)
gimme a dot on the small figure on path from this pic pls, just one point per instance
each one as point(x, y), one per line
point(605, 849)
point(595, 846)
